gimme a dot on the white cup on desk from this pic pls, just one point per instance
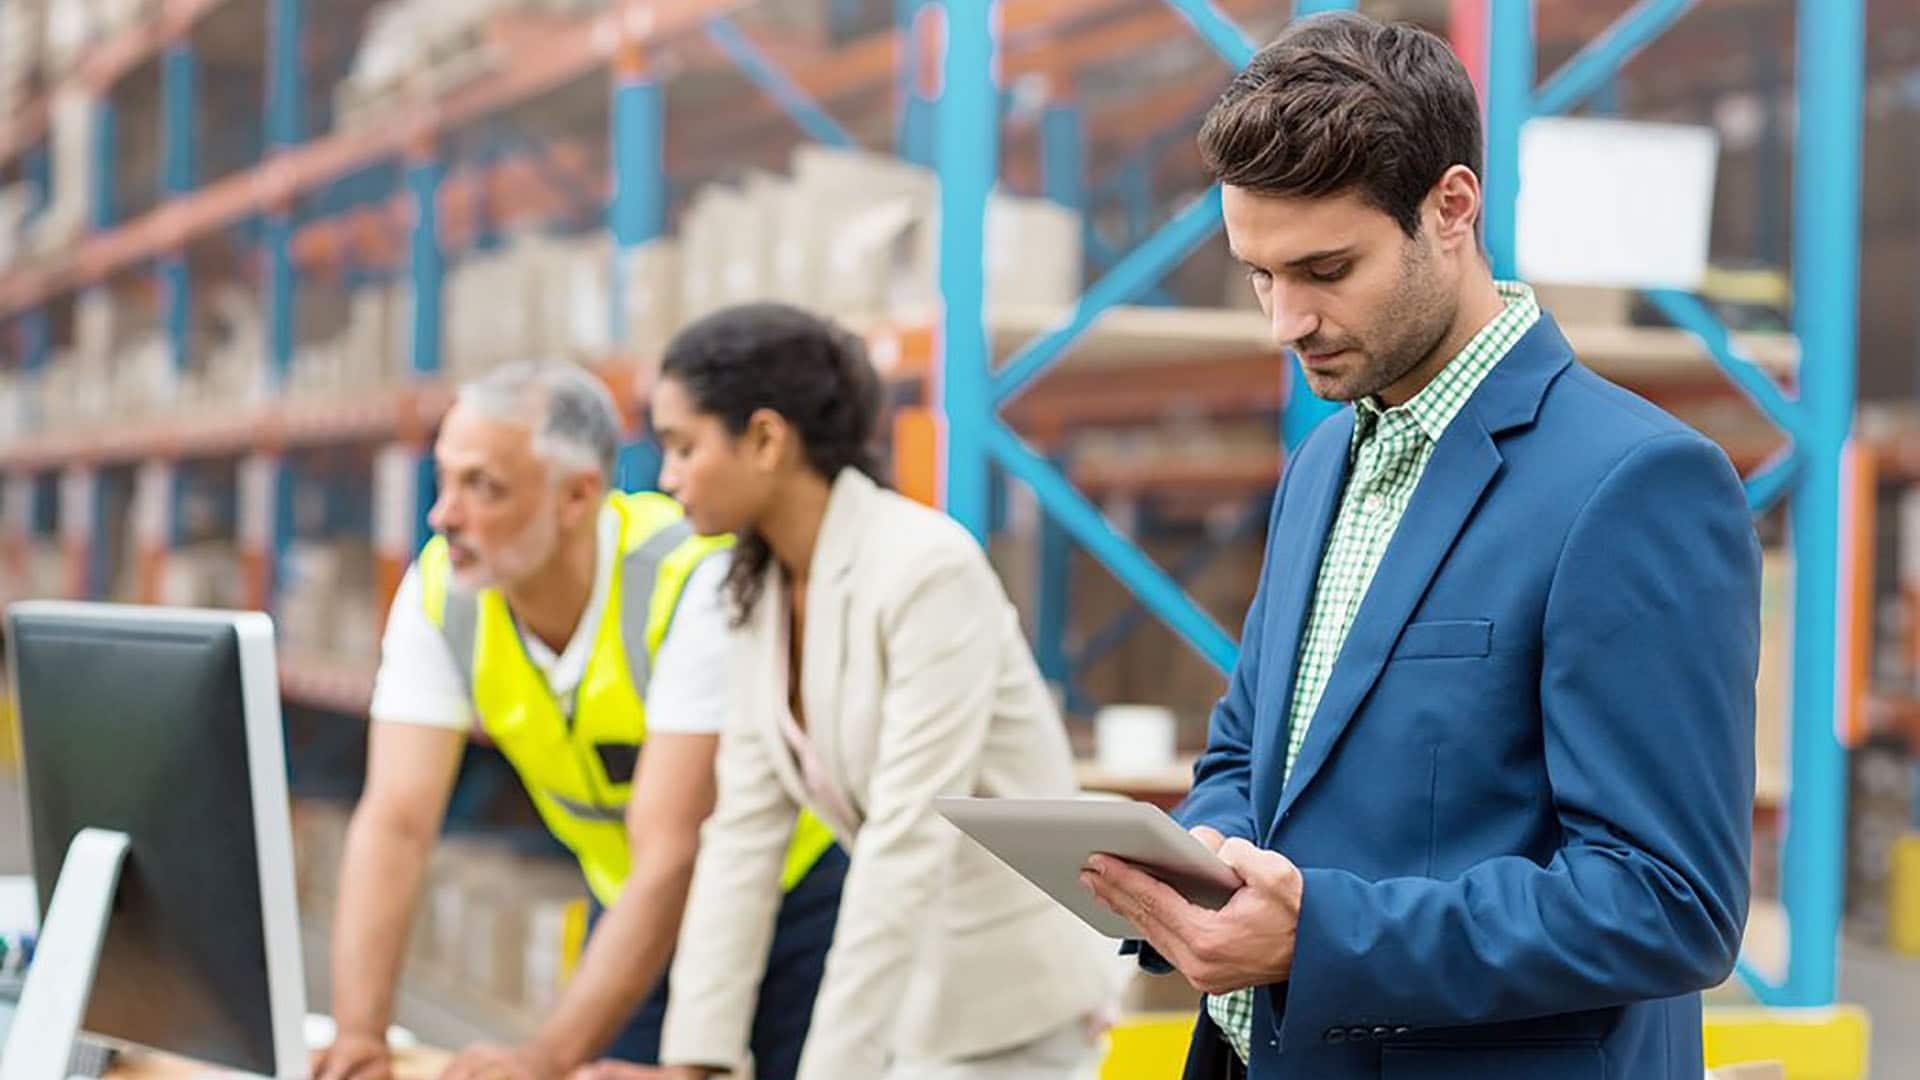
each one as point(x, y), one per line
point(1131, 740)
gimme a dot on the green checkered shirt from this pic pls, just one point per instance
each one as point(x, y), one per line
point(1386, 459)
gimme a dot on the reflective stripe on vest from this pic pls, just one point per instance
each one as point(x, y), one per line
point(558, 755)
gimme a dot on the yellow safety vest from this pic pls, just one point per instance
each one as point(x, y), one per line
point(579, 769)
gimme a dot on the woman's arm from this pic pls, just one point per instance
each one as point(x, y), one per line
point(731, 906)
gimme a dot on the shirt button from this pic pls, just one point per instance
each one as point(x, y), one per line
point(1377, 504)
point(1382, 1032)
point(1335, 1035)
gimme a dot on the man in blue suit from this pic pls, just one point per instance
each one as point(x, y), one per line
point(1486, 763)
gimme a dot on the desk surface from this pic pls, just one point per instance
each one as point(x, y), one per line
point(407, 1065)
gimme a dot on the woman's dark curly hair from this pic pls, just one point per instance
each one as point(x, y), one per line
point(816, 375)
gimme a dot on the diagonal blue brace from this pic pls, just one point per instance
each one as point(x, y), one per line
point(1114, 634)
point(1593, 67)
point(1157, 590)
point(764, 73)
point(1764, 990)
point(1220, 31)
point(1773, 480)
point(1685, 311)
point(1134, 275)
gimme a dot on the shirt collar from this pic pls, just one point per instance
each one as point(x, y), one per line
point(1435, 406)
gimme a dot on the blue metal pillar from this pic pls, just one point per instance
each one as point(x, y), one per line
point(286, 128)
point(1509, 103)
point(179, 75)
point(968, 142)
point(638, 213)
point(1826, 268)
point(1063, 154)
point(105, 140)
point(427, 264)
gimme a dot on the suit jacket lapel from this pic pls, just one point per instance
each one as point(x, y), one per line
point(1301, 534)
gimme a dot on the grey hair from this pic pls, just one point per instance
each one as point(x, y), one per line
point(574, 420)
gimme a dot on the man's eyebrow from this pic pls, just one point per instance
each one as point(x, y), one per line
point(1305, 260)
point(1321, 256)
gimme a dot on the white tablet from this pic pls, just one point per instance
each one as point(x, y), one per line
point(1048, 842)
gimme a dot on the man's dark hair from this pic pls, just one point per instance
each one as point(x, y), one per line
point(1340, 102)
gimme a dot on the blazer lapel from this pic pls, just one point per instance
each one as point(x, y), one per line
point(767, 697)
point(1301, 534)
point(829, 592)
point(1464, 463)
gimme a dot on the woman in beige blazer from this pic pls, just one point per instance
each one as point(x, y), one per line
point(879, 665)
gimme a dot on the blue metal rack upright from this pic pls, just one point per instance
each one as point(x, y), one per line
point(1826, 224)
point(1819, 421)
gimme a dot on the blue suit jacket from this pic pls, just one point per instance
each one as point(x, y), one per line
point(1523, 809)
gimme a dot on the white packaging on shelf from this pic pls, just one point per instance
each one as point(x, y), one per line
point(652, 299)
point(367, 345)
point(1033, 253)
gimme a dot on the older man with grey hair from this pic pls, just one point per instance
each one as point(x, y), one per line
point(573, 624)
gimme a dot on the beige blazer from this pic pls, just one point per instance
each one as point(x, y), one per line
point(916, 682)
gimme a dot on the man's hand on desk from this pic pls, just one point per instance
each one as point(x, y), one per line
point(487, 1062)
point(1249, 942)
point(354, 1057)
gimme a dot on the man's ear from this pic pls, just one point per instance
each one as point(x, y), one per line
point(581, 494)
point(1454, 206)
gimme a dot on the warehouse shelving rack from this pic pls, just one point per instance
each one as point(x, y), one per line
point(947, 66)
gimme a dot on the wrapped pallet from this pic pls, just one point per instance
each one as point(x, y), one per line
point(651, 299)
point(66, 214)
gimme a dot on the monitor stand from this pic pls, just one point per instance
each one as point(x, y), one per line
point(54, 999)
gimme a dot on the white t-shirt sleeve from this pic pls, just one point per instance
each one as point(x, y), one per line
point(419, 682)
point(688, 692)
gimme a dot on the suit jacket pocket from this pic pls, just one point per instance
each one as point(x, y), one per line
point(1494, 1061)
point(1443, 639)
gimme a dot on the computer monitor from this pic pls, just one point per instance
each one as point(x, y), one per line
point(155, 775)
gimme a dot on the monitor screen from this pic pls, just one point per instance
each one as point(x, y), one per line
point(139, 726)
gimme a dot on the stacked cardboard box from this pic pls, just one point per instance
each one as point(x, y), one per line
point(414, 50)
point(856, 235)
point(22, 41)
point(326, 600)
point(202, 575)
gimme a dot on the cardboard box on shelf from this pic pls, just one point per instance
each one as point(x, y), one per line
point(1586, 305)
point(66, 214)
point(1033, 253)
point(651, 299)
point(326, 604)
point(201, 575)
